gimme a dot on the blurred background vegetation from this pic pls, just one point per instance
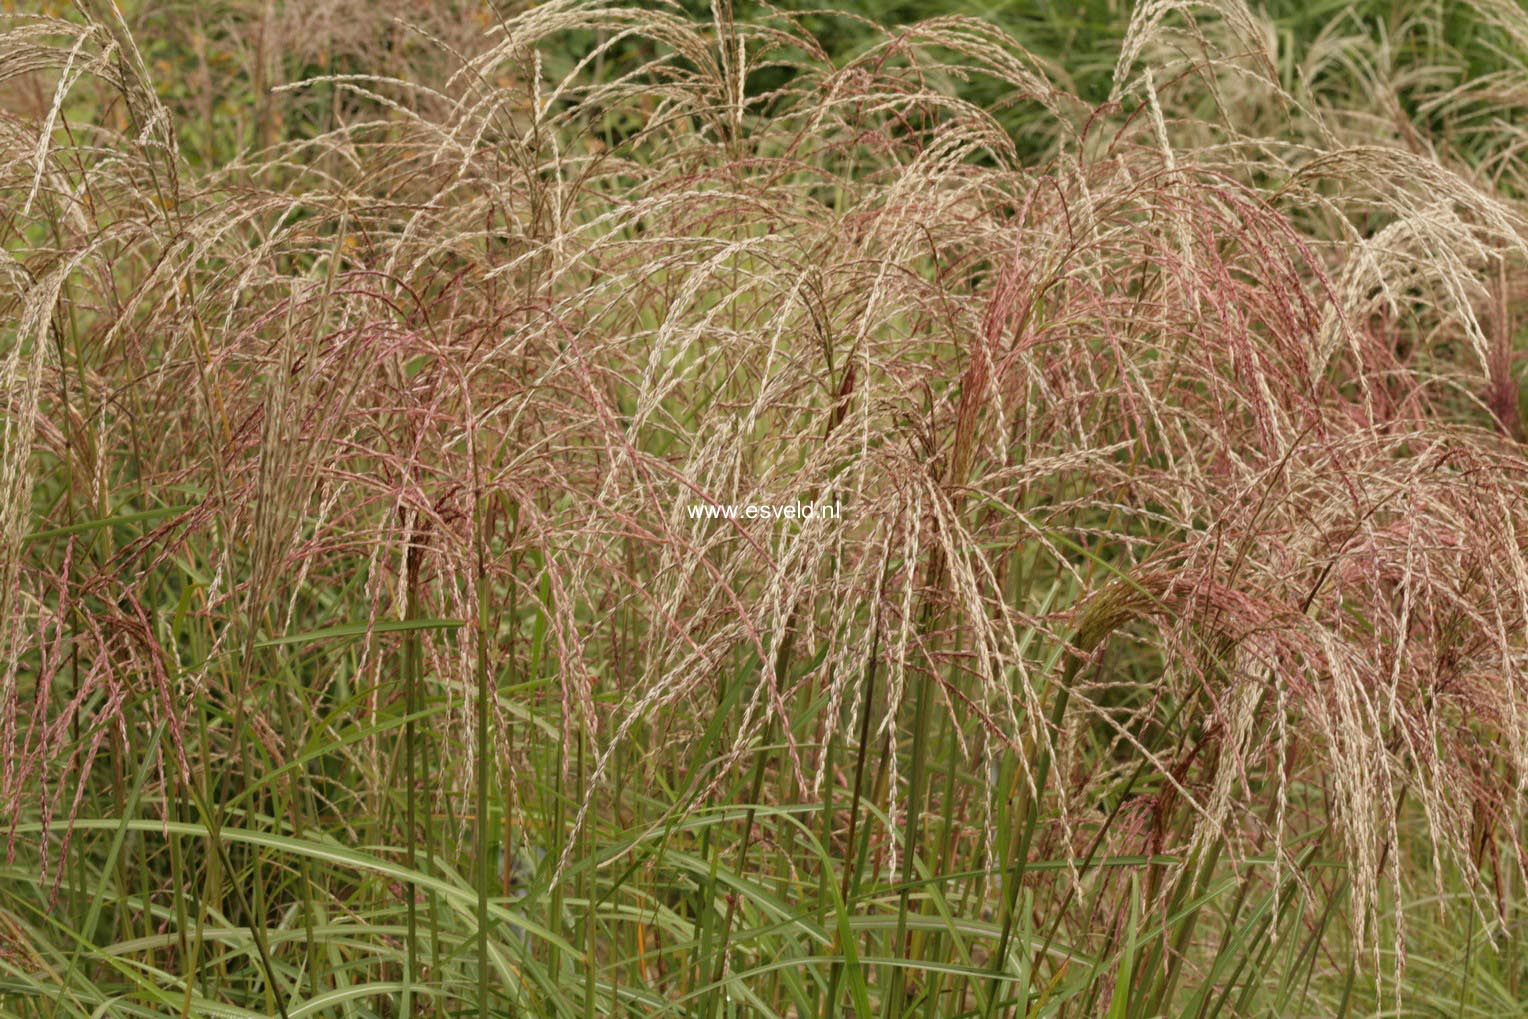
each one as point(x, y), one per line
point(215, 60)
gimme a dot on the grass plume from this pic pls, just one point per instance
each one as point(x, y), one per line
point(361, 654)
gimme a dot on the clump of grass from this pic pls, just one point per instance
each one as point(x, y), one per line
point(1168, 651)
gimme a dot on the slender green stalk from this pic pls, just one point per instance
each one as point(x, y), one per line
point(411, 679)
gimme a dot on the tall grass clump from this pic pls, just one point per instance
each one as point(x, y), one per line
point(368, 649)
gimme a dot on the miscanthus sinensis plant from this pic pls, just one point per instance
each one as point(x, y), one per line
point(360, 656)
